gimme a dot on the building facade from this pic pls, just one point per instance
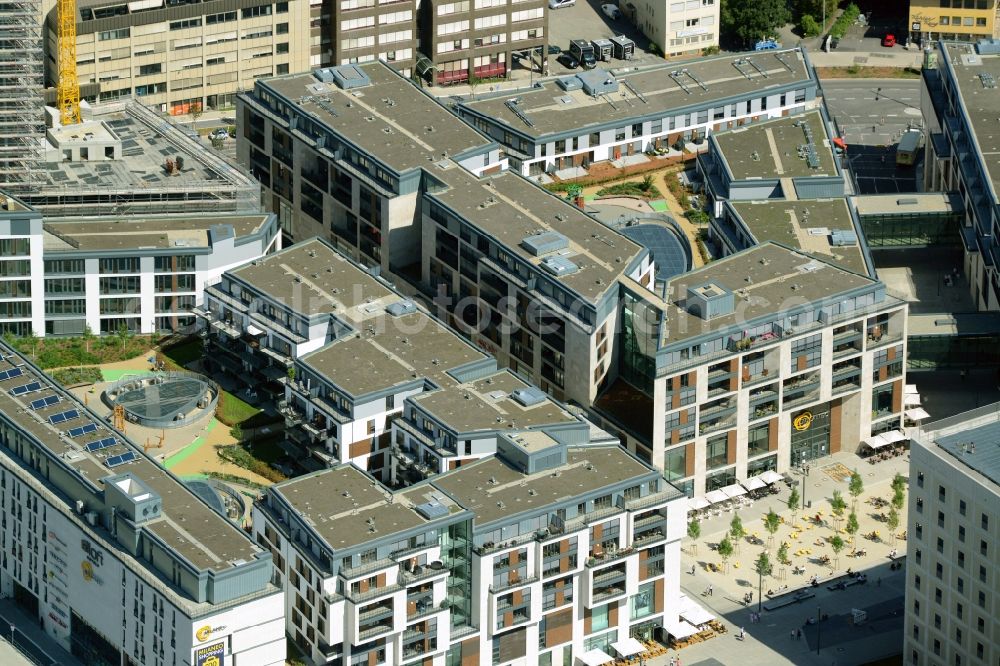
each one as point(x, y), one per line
point(94, 547)
point(952, 589)
point(931, 20)
point(589, 556)
point(679, 28)
point(182, 57)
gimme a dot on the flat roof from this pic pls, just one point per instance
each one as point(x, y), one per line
point(148, 232)
point(510, 208)
point(348, 508)
point(188, 525)
point(975, 447)
point(976, 78)
point(486, 404)
point(553, 110)
point(390, 118)
point(764, 280)
point(312, 278)
point(806, 225)
point(908, 203)
point(493, 490)
point(778, 148)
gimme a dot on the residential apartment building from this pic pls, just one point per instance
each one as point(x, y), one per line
point(965, 20)
point(952, 588)
point(367, 377)
point(119, 561)
point(681, 28)
point(597, 116)
point(757, 361)
point(491, 249)
point(536, 555)
point(958, 98)
point(180, 57)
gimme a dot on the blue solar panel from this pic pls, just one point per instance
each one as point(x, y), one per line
point(101, 444)
point(114, 461)
point(10, 374)
point(63, 416)
point(42, 403)
point(82, 430)
point(25, 388)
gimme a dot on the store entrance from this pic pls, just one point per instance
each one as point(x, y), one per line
point(810, 433)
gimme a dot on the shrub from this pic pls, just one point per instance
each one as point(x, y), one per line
point(696, 216)
point(644, 189)
point(845, 20)
point(75, 376)
point(809, 26)
point(240, 457)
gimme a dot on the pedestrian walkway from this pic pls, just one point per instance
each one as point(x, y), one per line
point(11, 656)
point(30, 639)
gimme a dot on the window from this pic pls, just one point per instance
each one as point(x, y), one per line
point(599, 618)
point(186, 23)
point(985, 522)
point(642, 602)
point(961, 507)
point(920, 479)
point(260, 10)
point(716, 450)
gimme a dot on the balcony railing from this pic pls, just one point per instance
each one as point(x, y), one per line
point(367, 567)
point(520, 582)
point(654, 498)
point(375, 593)
point(605, 594)
point(610, 556)
point(366, 634)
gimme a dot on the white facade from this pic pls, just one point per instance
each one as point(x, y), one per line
point(678, 27)
point(952, 585)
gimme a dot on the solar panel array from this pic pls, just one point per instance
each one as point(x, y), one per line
point(115, 461)
point(101, 444)
point(68, 415)
point(665, 246)
point(25, 388)
point(82, 430)
point(10, 374)
point(42, 403)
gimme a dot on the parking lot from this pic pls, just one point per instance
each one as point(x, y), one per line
point(585, 20)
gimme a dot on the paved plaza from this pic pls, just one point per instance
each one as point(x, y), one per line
point(840, 641)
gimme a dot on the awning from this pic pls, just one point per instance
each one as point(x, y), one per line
point(697, 616)
point(629, 647)
point(253, 330)
point(876, 442)
point(910, 388)
point(770, 476)
point(840, 143)
point(717, 496)
point(917, 414)
point(911, 400)
point(894, 436)
point(680, 630)
point(697, 503)
point(734, 490)
point(754, 483)
point(596, 657)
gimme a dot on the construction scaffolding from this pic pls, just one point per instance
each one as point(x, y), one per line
point(22, 116)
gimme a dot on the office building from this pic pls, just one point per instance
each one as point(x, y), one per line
point(952, 586)
point(536, 555)
point(118, 560)
point(759, 360)
point(181, 57)
point(965, 20)
point(681, 28)
point(959, 101)
point(597, 116)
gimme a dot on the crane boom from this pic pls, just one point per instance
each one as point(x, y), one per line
point(68, 86)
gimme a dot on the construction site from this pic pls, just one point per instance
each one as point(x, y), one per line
point(22, 122)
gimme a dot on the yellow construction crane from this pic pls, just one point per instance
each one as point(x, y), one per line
point(68, 87)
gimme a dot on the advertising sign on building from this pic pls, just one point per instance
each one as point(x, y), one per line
point(211, 655)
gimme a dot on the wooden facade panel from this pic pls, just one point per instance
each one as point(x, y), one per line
point(835, 426)
point(361, 448)
point(772, 434)
point(558, 627)
point(689, 459)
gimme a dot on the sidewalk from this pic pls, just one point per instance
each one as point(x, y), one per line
point(898, 57)
point(30, 639)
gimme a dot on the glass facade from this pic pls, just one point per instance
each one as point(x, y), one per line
point(810, 433)
point(911, 229)
point(639, 331)
point(951, 351)
point(457, 548)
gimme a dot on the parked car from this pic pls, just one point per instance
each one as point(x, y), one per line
point(568, 61)
point(220, 133)
point(767, 45)
point(554, 50)
point(889, 40)
point(559, 4)
point(611, 11)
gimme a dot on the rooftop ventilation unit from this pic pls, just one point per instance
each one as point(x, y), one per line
point(545, 243)
point(709, 300)
point(569, 83)
point(843, 238)
point(431, 510)
point(348, 77)
point(400, 308)
point(528, 397)
point(559, 266)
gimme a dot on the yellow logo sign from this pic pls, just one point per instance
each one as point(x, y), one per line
point(88, 570)
point(203, 633)
point(803, 421)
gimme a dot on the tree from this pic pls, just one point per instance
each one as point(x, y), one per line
point(725, 549)
point(736, 530)
point(852, 526)
point(647, 183)
point(694, 531)
point(746, 21)
point(838, 505)
point(195, 111)
point(898, 499)
point(793, 501)
point(123, 334)
point(855, 487)
point(771, 524)
point(88, 337)
point(32, 341)
point(237, 432)
point(809, 26)
point(473, 81)
point(783, 554)
point(898, 482)
point(892, 522)
point(838, 545)
point(763, 568)
point(291, 373)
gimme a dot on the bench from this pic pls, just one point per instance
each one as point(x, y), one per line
point(788, 599)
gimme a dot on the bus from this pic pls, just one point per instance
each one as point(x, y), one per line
point(908, 148)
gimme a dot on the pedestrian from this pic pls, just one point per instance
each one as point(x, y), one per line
point(792, 635)
point(798, 633)
point(709, 590)
point(878, 583)
point(750, 595)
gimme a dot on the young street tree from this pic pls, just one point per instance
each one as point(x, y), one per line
point(771, 524)
point(793, 501)
point(892, 522)
point(736, 531)
point(852, 526)
point(694, 531)
point(746, 21)
point(838, 545)
point(763, 568)
point(855, 488)
point(725, 549)
point(783, 554)
point(838, 505)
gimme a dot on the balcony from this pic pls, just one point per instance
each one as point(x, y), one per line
point(590, 517)
point(375, 593)
point(881, 340)
point(655, 498)
point(649, 537)
point(367, 568)
point(421, 573)
point(519, 582)
point(609, 556)
point(605, 594)
point(372, 632)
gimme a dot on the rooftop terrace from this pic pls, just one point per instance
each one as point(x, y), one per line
point(809, 226)
point(779, 148)
point(553, 110)
point(976, 76)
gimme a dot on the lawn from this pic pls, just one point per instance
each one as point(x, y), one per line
point(644, 188)
point(231, 410)
point(65, 352)
point(864, 72)
point(181, 354)
point(75, 376)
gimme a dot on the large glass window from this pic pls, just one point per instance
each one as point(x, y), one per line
point(715, 451)
point(757, 439)
point(675, 463)
point(599, 618)
point(882, 400)
point(642, 602)
point(719, 479)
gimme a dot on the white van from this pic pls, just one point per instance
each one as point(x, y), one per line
point(559, 4)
